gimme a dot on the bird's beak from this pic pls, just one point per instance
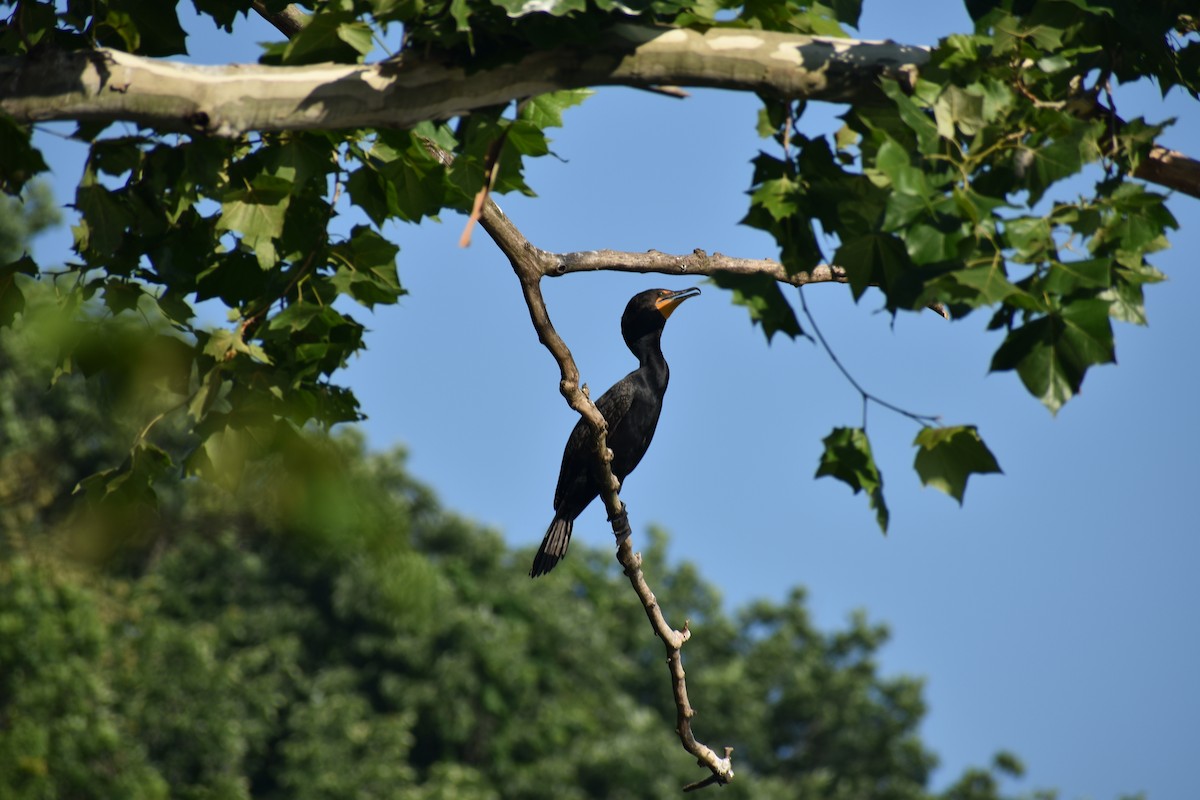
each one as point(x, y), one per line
point(668, 302)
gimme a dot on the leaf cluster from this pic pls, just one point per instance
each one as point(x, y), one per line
point(175, 227)
point(954, 192)
point(999, 179)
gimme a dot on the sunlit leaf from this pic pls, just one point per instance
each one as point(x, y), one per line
point(949, 456)
point(545, 110)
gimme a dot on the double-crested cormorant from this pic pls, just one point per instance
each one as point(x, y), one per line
point(631, 408)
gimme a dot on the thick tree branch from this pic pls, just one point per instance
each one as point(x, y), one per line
point(1171, 169)
point(111, 85)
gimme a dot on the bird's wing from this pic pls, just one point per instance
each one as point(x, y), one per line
point(578, 455)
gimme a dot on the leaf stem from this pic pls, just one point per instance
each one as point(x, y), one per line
point(867, 397)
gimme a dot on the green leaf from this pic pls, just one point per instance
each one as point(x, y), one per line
point(367, 268)
point(848, 458)
point(1062, 157)
point(1126, 296)
point(777, 196)
point(893, 161)
point(902, 210)
point(1052, 354)
point(105, 217)
point(212, 389)
point(223, 344)
point(915, 117)
point(21, 159)
point(413, 187)
point(1127, 303)
point(873, 259)
point(460, 11)
point(761, 296)
point(948, 456)
point(150, 29)
point(1030, 237)
point(958, 108)
point(1067, 276)
point(222, 456)
point(122, 26)
point(929, 245)
point(131, 484)
point(224, 12)
point(257, 213)
point(545, 110)
point(118, 155)
point(369, 191)
point(298, 316)
point(847, 11)
point(521, 8)
point(990, 282)
point(329, 36)
point(121, 295)
point(526, 138)
point(12, 299)
point(357, 35)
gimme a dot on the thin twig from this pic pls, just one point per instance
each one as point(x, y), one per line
point(924, 419)
point(667, 91)
point(697, 262)
point(290, 21)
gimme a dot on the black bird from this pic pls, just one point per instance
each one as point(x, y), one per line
point(631, 408)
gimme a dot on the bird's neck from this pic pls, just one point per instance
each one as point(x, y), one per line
point(651, 362)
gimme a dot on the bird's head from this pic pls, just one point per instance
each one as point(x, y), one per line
point(647, 311)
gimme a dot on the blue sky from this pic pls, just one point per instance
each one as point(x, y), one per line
point(1054, 614)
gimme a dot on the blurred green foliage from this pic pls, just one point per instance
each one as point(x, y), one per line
point(326, 630)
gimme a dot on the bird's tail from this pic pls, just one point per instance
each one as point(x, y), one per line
point(554, 546)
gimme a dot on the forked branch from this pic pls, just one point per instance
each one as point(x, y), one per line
point(530, 264)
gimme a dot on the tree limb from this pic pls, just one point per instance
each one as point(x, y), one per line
point(531, 263)
point(697, 262)
point(1171, 169)
point(110, 85)
point(290, 21)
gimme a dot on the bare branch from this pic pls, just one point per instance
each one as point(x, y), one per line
point(697, 262)
point(289, 21)
point(531, 263)
point(526, 261)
